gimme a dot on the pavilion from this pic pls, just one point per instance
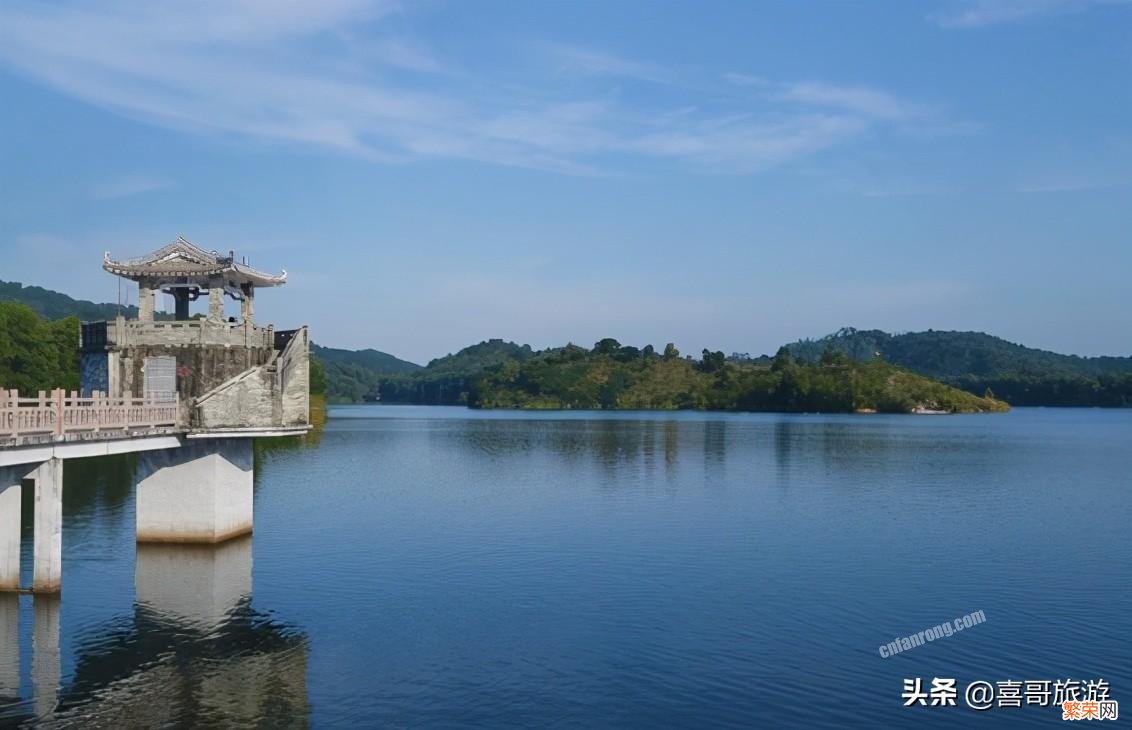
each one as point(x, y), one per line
point(185, 271)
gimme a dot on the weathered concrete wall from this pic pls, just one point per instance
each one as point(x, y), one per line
point(270, 396)
point(294, 380)
point(47, 572)
point(123, 333)
point(196, 584)
point(248, 401)
point(199, 369)
point(200, 493)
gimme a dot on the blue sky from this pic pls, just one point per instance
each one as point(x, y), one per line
point(724, 175)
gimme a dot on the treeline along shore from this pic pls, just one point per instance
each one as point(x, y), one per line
point(848, 371)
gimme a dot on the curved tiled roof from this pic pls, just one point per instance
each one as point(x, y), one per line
point(182, 258)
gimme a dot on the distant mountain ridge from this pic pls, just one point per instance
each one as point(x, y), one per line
point(352, 374)
point(54, 305)
point(380, 362)
point(975, 361)
point(944, 353)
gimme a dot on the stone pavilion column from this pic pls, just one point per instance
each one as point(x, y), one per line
point(181, 304)
point(145, 302)
point(216, 301)
point(247, 309)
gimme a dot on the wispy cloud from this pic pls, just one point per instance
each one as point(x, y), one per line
point(334, 75)
point(575, 59)
point(981, 13)
point(864, 101)
point(1069, 184)
point(859, 99)
point(128, 185)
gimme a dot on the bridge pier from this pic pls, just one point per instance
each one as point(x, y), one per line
point(47, 571)
point(200, 493)
point(10, 492)
point(47, 548)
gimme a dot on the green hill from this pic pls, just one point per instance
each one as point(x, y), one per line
point(975, 362)
point(375, 360)
point(53, 305)
point(612, 376)
point(446, 380)
point(351, 374)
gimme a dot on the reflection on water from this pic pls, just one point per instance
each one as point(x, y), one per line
point(188, 647)
point(9, 648)
point(440, 567)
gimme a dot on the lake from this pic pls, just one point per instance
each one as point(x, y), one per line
point(439, 567)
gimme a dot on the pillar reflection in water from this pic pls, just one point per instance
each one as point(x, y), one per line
point(198, 585)
point(45, 666)
point(195, 652)
point(9, 647)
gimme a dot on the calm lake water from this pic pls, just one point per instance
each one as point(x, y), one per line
point(438, 567)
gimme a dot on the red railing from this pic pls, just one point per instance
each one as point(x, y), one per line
point(58, 414)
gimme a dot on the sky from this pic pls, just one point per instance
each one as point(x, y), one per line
point(723, 175)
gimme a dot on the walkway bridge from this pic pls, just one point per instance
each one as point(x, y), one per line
point(62, 417)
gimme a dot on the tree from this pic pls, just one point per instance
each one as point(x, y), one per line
point(783, 360)
point(36, 354)
point(627, 353)
point(607, 346)
point(317, 376)
point(834, 356)
point(670, 352)
point(712, 362)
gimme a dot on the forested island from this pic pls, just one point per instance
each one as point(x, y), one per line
point(614, 376)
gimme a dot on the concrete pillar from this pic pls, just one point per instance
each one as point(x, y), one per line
point(216, 301)
point(247, 307)
point(180, 304)
point(47, 570)
point(195, 585)
point(199, 493)
point(10, 493)
point(45, 664)
point(9, 646)
point(145, 302)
